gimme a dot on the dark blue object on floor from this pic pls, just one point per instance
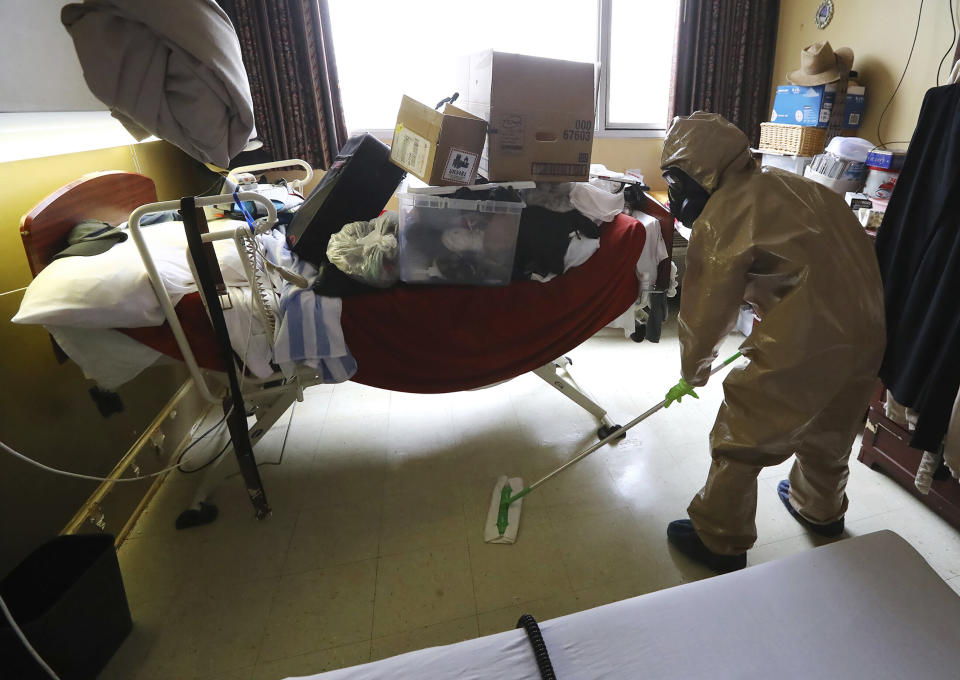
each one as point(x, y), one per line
point(830, 530)
point(683, 537)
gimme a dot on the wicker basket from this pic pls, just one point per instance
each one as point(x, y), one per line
point(799, 140)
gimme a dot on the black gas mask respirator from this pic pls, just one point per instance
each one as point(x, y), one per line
point(687, 197)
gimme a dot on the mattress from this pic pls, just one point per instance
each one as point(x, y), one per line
point(866, 607)
point(432, 339)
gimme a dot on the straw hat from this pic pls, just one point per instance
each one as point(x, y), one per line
point(819, 64)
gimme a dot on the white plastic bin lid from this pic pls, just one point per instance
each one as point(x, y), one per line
point(444, 203)
point(839, 185)
point(851, 148)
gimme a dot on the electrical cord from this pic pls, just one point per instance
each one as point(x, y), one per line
point(953, 23)
point(200, 438)
point(26, 642)
point(209, 462)
point(136, 478)
point(540, 654)
point(900, 82)
point(283, 447)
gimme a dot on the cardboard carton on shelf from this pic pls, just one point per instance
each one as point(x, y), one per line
point(853, 108)
point(540, 113)
point(806, 105)
point(440, 148)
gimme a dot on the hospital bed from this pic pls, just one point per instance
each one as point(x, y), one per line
point(488, 335)
point(865, 607)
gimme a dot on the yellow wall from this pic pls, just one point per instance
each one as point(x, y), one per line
point(45, 410)
point(880, 34)
point(624, 153)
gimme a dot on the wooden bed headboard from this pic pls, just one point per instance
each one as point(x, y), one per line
point(108, 196)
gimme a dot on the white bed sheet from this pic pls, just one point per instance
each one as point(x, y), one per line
point(110, 358)
point(866, 607)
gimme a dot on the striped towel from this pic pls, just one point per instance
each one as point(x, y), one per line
point(309, 330)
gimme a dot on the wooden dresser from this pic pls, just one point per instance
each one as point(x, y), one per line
point(886, 447)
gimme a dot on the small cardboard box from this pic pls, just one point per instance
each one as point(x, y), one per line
point(856, 102)
point(809, 106)
point(438, 148)
point(540, 114)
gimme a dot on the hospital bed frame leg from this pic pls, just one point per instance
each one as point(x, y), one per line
point(566, 385)
point(202, 510)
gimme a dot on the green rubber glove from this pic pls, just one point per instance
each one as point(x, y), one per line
point(678, 391)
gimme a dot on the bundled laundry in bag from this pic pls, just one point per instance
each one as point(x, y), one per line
point(367, 250)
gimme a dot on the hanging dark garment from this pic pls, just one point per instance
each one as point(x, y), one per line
point(543, 238)
point(918, 247)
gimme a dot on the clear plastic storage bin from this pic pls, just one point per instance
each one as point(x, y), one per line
point(456, 241)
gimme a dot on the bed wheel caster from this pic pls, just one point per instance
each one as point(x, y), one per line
point(195, 517)
point(606, 430)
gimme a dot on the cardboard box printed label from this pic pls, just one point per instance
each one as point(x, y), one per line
point(438, 148)
point(410, 151)
point(461, 164)
point(854, 107)
point(541, 115)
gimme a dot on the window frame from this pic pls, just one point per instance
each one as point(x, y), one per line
point(605, 127)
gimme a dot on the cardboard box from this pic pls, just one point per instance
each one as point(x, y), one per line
point(856, 102)
point(438, 148)
point(803, 105)
point(540, 114)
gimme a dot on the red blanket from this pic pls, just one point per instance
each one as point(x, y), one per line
point(452, 338)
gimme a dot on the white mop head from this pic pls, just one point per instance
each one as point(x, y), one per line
point(490, 532)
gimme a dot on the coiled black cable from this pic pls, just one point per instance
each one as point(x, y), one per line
point(529, 624)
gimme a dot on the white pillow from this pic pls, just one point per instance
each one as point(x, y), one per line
point(112, 290)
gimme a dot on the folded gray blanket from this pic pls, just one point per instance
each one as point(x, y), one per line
point(172, 69)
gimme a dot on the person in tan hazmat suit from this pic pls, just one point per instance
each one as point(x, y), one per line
point(793, 250)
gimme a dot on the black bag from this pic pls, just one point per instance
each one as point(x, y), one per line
point(356, 187)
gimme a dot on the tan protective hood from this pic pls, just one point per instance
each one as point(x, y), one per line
point(788, 246)
point(705, 145)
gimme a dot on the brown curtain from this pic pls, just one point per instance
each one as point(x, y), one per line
point(724, 60)
point(287, 50)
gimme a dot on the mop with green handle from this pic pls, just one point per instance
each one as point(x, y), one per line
point(503, 516)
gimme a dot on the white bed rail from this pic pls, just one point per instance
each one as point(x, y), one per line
point(275, 165)
point(157, 282)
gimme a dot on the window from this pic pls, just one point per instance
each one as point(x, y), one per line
point(386, 49)
point(635, 89)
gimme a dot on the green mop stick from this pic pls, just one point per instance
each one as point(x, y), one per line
point(506, 493)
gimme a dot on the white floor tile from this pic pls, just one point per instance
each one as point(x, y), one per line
point(314, 662)
point(438, 634)
point(320, 609)
point(335, 534)
point(212, 629)
point(423, 587)
point(375, 544)
point(530, 569)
